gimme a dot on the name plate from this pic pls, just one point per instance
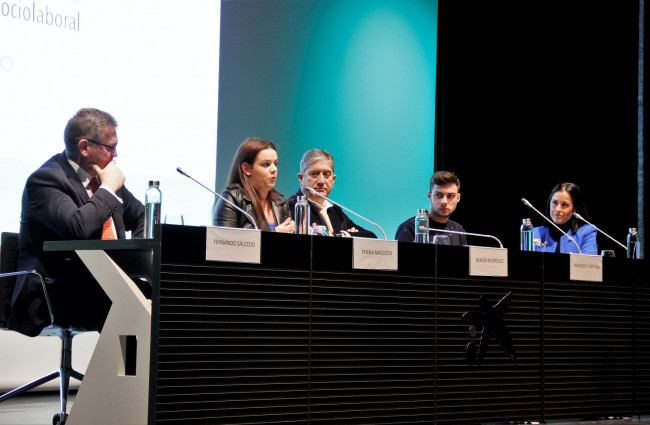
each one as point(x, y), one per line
point(485, 261)
point(232, 244)
point(374, 254)
point(586, 267)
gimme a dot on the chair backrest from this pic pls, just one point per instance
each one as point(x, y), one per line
point(8, 258)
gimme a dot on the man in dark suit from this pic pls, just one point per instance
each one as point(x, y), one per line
point(317, 172)
point(76, 194)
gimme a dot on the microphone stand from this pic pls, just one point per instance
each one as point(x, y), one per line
point(180, 170)
point(468, 233)
point(583, 219)
point(313, 192)
point(528, 204)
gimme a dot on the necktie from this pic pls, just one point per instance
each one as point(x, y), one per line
point(322, 211)
point(107, 229)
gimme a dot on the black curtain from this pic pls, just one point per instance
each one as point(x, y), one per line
point(532, 94)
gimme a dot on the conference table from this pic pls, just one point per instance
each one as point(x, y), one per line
point(306, 336)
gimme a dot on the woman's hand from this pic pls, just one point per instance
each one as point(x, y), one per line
point(287, 227)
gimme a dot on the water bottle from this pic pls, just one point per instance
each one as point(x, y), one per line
point(152, 199)
point(633, 243)
point(422, 226)
point(526, 235)
point(301, 216)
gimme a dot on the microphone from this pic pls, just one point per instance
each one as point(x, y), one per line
point(583, 219)
point(313, 192)
point(180, 170)
point(528, 204)
point(468, 233)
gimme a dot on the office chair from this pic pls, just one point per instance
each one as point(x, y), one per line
point(8, 273)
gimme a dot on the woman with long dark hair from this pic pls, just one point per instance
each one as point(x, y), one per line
point(251, 186)
point(564, 200)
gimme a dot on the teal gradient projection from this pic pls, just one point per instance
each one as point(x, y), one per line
point(367, 95)
point(354, 77)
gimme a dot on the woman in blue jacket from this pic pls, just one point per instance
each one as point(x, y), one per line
point(564, 200)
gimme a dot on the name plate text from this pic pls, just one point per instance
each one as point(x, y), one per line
point(485, 261)
point(232, 244)
point(374, 254)
point(586, 267)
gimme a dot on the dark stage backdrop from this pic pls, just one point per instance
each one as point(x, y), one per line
point(531, 94)
point(356, 78)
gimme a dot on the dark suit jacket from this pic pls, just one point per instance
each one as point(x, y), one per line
point(339, 220)
point(56, 206)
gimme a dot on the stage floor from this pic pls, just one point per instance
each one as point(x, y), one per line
point(38, 408)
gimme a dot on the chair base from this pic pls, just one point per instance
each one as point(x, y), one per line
point(64, 373)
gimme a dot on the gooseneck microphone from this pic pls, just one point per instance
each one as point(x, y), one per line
point(583, 219)
point(468, 233)
point(528, 204)
point(180, 170)
point(313, 192)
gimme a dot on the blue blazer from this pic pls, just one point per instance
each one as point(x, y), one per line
point(585, 238)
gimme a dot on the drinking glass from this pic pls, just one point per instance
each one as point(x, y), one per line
point(174, 219)
point(320, 230)
point(441, 239)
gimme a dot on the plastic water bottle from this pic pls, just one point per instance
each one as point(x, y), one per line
point(526, 235)
point(422, 226)
point(152, 200)
point(301, 216)
point(633, 243)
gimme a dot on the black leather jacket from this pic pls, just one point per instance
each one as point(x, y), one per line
point(226, 215)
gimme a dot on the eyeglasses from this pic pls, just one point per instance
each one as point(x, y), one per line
point(111, 149)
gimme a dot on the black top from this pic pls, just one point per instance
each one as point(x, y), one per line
point(406, 231)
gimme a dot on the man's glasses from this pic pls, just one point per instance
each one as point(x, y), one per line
point(111, 149)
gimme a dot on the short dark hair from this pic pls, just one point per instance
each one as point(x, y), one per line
point(87, 123)
point(442, 178)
